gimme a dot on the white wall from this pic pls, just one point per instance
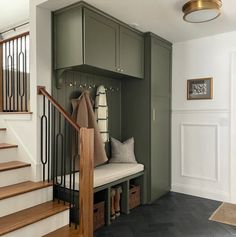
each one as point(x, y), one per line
point(40, 68)
point(201, 128)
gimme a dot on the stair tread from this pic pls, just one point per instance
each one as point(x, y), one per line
point(6, 146)
point(21, 188)
point(29, 216)
point(65, 231)
point(13, 165)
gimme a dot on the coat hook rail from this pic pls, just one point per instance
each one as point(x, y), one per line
point(86, 86)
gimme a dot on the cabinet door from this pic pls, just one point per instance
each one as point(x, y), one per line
point(161, 68)
point(160, 132)
point(131, 53)
point(160, 147)
point(100, 41)
point(68, 49)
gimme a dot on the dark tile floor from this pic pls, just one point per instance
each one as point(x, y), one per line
point(174, 215)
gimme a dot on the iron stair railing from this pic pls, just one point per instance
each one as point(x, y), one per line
point(60, 138)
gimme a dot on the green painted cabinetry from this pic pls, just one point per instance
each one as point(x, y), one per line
point(146, 116)
point(100, 41)
point(131, 51)
point(84, 38)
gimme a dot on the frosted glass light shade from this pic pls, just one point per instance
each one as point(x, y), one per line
point(197, 11)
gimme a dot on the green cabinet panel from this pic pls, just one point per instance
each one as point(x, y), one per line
point(100, 41)
point(68, 50)
point(146, 116)
point(131, 53)
point(87, 39)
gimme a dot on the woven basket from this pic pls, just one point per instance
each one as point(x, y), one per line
point(134, 196)
point(98, 215)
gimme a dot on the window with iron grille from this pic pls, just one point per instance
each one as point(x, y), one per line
point(14, 75)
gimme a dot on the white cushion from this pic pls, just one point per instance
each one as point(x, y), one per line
point(108, 173)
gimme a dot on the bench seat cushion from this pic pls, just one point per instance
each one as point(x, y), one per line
point(109, 173)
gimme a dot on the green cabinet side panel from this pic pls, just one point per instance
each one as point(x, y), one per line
point(68, 38)
point(101, 37)
point(131, 53)
point(136, 122)
point(160, 147)
point(160, 122)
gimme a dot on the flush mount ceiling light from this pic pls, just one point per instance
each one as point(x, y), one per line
point(197, 11)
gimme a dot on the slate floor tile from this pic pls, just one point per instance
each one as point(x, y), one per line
point(174, 215)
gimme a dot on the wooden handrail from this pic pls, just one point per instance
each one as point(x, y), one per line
point(15, 37)
point(42, 91)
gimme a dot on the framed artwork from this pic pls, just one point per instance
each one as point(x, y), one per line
point(200, 89)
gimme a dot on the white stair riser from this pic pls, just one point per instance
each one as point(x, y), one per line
point(2, 136)
point(15, 176)
point(7, 155)
point(26, 200)
point(42, 227)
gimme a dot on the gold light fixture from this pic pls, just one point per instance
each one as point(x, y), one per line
point(198, 11)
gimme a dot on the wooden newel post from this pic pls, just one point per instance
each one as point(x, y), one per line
point(86, 182)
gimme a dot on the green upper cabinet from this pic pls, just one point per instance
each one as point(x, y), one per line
point(131, 53)
point(100, 41)
point(68, 48)
point(85, 38)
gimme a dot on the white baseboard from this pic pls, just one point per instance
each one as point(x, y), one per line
point(204, 193)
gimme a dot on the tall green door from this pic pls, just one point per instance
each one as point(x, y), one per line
point(160, 124)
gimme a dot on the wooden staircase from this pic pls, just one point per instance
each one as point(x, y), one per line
point(26, 207)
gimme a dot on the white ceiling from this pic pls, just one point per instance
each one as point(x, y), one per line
point(163, 17)
point(13, 12)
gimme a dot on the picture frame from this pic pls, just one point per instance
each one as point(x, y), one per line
point(200, 89)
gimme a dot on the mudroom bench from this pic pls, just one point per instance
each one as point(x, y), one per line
point(105, 177)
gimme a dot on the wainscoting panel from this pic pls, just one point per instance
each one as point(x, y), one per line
point(200, 153)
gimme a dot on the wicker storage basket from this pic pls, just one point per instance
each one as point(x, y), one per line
point(98, 215)
point(134, 196)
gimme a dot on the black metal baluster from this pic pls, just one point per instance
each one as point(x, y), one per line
point(5, 79)
point(70, 167)
point(59, 155)
point(21, 79)
point(53, 148)
point(44, 139)
point(3, 56)
point(13, 76)
point(17, 76)
point(49, 140)
point(74, 201)
point(64, 165)
point(25, 86)
point(8, 79)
